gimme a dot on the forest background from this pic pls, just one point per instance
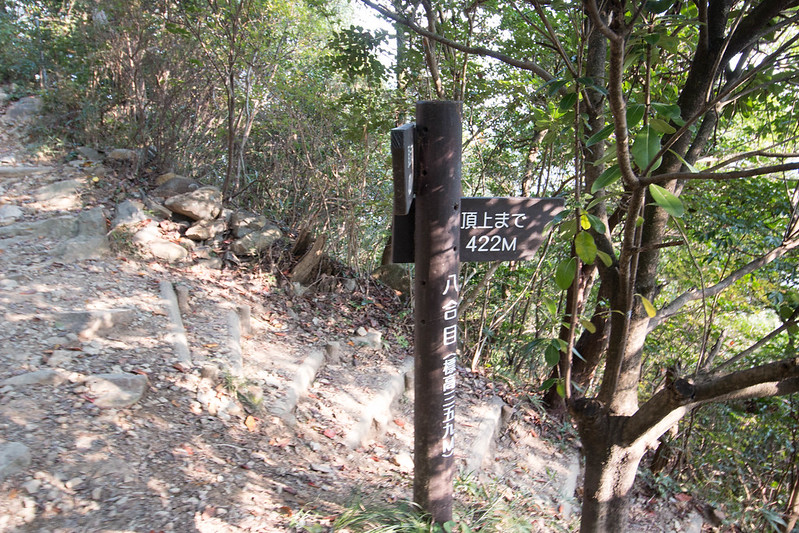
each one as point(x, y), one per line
point(660, 315)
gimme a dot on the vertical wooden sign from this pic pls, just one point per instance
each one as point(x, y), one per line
point(436, 244)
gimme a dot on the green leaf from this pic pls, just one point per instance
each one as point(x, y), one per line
point(665, 199)
point(552, 307)
point(599, 136)
point(551, 355)
point(688, 165)
point(547, 384)
point(635, 113)
point(588, 325)
point(670, 111)
point(567, 102)
point(585, 247)
point(561, 389)
point(653, 38)
point(661, 126)
point(605, 258)
point(554, 85)
point(564, 274)
point(608, 177)
point(639, 221)
point(596, 223)
point(648, 307)
point(645, 147)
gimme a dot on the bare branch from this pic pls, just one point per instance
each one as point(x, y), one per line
point(720, 176)
point(531, 66)
point(678, 303)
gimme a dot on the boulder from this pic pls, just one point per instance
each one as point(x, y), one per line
point(206, 229)
point(257, 241)
point(14, 457)
point(128, 213)
point(150, 241)
point(244, 222)
point(94, 323)
point(174, 186)
point(116, 391)
point(122, 155)
point(60, 194)
point(23, 110)
point(89, 153)
point(9, 213)
point(203, 204)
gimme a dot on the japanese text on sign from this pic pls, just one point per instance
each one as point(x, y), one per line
point(449, 337)
point(504, 229)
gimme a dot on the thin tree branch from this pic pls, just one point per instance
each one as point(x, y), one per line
point(720, 176)
point(678, 303)
point(531, 66)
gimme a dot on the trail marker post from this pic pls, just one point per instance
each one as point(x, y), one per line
point(437, 229)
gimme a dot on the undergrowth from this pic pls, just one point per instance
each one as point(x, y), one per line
point(478, 506)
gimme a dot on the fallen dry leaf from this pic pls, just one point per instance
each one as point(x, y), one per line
point(329, 433)
point(250, 423)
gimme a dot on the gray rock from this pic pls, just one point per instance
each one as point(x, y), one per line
point(60, 194)
point(203, 204)
point(96, 323)
point(203, 230)
point(23, 110)
point(174, 186)
point(10, 213)
point(122, 155)
point(116, 391)
point(333, 352)
point(257, 241)
point(129, 212)
point(371, 339)
point(38, 377)
point(14, 457)
point(54, 228)
point(60, 358)
point(155, 209)
point(90, 242)
point(244, 222)
point(19, 172)
point(82, 248)
point(149, 240)
point(89, 153)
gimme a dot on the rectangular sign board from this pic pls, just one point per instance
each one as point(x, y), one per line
point(402, 167)
point(491, 229)
point(504, 229)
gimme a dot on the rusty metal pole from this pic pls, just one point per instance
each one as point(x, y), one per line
point(436, 236)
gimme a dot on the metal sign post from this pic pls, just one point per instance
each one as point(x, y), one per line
point(436, 228)
point(436, 243)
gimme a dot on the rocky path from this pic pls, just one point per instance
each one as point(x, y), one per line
point(138, 394)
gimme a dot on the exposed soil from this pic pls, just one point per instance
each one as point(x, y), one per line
point(203, 450)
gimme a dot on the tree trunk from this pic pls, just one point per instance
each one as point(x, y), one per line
point(610, 468)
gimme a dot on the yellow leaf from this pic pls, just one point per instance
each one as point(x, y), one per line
point(648, 307)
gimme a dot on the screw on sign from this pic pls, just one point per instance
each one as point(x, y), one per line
point(437, 229)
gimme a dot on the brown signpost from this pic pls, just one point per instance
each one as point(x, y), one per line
point(437, 229)
point(436, 248)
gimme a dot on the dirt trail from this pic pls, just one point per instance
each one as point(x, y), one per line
point(104, 427)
